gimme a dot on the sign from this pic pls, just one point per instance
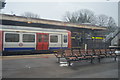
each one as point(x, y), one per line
point(98, 38)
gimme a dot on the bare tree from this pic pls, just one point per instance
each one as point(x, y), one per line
point(30, 15)
point(102, 20)
point(71, 17)
point(81, 16)
point(111, 22)
point(111, 25)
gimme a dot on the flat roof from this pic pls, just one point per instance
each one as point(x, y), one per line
point(50, 22)
point(26, 28)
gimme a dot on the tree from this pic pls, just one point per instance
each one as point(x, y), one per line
point(102, 20)
point(30, 15)
point(111, 25)
point(111, 22)
point(81, 16)
point(87, 16)
point(70, 17)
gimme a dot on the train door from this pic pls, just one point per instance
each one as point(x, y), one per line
point(1, 40)
point(42, 41)
point(55, 41)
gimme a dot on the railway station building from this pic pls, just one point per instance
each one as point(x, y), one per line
point(82, 34)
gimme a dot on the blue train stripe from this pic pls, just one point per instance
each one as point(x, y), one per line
point(11, 49)
point(57, 47)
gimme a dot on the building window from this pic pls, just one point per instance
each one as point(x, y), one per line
point(28, 38)
point(53, 38)
point(65, 38)
point(11, 37)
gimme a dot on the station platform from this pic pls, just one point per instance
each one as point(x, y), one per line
point(46, 66)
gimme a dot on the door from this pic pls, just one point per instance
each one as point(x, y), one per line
point(42, 41)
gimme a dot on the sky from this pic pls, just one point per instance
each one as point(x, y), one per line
point(56, 9)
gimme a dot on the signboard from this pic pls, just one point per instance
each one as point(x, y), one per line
point(98, 38)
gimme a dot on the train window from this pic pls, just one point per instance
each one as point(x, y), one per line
point(28, 38)
point(53, 38)
point(65, 39)
point(45, 38)
point(11, 37)
point(39, 38)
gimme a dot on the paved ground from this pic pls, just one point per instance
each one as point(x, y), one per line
point(45, 66)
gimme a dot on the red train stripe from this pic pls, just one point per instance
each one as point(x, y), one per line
point(1, 40)
point(69, 39)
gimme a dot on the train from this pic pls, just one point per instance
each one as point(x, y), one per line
point(23, 39)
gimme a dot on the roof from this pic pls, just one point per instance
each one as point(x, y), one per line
point(50, 22)
point(4, 27)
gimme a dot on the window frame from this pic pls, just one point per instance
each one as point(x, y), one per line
point(54, 41)
point(11, 41)
point(28, 39)
point(66, 38)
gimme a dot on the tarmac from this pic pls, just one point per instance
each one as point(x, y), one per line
point(46, 66)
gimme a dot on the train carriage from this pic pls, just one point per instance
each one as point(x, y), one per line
point(33, 40)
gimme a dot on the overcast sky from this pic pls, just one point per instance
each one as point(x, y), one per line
point(56, 10)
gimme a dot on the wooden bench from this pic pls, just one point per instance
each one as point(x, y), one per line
point(59, 53)
point(93, 55)
point(69, 56)
point(72, 55)
point(104, 53)
point(111, 53)
point(78, 54)
point(98, 54)
point(87, 54)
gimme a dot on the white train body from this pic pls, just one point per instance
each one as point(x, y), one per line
point(20, 38)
